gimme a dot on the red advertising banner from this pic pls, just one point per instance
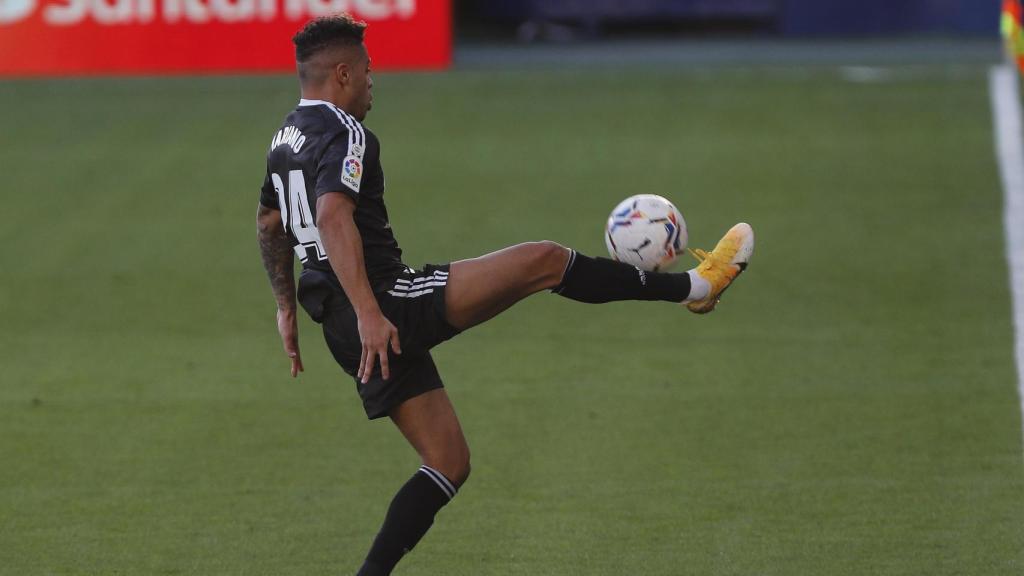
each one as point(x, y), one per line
point(87, 37)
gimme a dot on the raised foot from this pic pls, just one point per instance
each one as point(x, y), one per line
point(723, 265)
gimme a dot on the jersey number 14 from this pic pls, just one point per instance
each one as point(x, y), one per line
point(296, 214)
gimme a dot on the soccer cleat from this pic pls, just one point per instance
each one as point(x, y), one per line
point(723, 265)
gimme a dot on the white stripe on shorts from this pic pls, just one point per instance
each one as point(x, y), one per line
point(418, 282)
point(404, 288)
point(410, 294)
point(434, 276)
point(418, 286)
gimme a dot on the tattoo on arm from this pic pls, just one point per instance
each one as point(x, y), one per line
point(278, 257)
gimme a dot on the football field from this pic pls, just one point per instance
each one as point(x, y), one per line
point(849, 409)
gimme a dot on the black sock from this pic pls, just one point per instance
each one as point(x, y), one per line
point(409, 517)
point(598, 280)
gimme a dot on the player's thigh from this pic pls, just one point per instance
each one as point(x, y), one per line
point(480, 288)
point(429, 423)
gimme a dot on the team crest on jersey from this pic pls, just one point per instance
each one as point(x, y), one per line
point(351, 172)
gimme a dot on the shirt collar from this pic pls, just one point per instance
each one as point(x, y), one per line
point(305, 102)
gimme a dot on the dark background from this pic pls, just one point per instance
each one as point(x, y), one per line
point(574, 20)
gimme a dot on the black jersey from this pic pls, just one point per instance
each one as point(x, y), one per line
point(320, 149)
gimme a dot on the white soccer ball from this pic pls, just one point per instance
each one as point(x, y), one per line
point(646, 231)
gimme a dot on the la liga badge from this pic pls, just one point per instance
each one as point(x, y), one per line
point(351, 172)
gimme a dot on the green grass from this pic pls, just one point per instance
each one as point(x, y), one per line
point(849, 409)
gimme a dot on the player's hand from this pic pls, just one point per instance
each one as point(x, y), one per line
point(288, 327)
point(376, 332)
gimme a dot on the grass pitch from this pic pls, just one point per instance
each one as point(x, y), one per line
point(849, 409)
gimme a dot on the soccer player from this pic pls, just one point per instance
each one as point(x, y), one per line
point(323, 199)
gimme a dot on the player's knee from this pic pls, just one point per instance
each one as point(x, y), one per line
point(455, 466)
point(551, 258)
point(460, 467)
point(463, 473)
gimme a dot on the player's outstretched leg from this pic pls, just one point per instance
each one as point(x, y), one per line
point(480, 288)
point(429, 423)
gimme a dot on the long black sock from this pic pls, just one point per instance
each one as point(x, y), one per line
point(598, 280)
point(409, 517)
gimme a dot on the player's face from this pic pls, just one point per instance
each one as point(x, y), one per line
point(362, 85)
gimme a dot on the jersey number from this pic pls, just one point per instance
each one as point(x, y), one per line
point(295, 203)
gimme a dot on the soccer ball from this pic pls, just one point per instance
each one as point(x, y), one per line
point(646, 231)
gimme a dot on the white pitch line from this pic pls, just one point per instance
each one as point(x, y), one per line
point(1006, 115)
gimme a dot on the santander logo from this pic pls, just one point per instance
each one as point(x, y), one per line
point(117, 12)
point(14, 10)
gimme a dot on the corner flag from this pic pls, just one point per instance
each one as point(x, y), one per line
point(1013, 34)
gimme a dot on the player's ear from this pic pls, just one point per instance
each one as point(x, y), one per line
point(342, 75)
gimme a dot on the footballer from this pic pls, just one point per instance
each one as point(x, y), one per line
point(323, 200)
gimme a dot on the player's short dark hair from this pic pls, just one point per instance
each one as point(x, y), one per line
point(327, 32)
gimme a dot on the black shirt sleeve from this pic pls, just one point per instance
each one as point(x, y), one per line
point(340, 168)
point(268, 195)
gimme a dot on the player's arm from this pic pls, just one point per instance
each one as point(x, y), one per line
point(336, 223)
point(278, 259)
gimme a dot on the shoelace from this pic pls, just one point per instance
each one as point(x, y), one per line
point(700, 255)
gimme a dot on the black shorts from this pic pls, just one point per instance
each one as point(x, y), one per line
point(415, 305)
